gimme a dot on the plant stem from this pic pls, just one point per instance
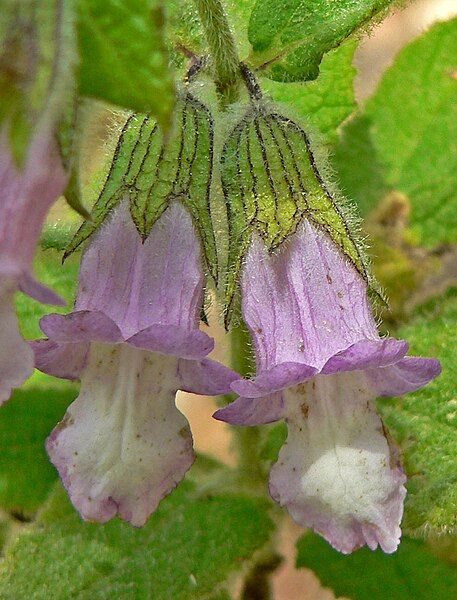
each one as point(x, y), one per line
point(222, 47)
point(257, 584)
point(247, 438)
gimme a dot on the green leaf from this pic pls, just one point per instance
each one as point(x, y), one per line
point(326, 102)
point(239, 13)
point(123, 56)
point(293, 35)
point(425, 423)
point(183, 30)
point(26, 475)
point(414, 130)
point(187, 550)
point(274, 440)
point(359, 170)
point(412, 572)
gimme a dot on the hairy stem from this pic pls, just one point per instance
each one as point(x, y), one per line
point(247, 438)
point(222, 48)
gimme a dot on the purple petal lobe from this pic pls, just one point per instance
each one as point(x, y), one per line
point(66, 361)
point(170, 339)
point(139, 284)
point(408, 375)
point(336, 472)
point(252, 411)
point(206, 377)
point(306, 302)
point(367, 354)
point(122, 445)
point(16, 358)
point(36, 290)
point(80, 326)
point(274, 379)
point(27, 195)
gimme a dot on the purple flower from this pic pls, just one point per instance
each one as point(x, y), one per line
point(26, 195)
point(320, 366)
point(133, 340)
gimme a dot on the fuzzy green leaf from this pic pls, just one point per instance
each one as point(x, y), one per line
point(412, 572)
point(414, 130)
point(293, 35)
point(327, 101)
point(186, 551)
point(425, 424)
point(123, 56)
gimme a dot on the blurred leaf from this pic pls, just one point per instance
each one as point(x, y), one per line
point(412, 572)
point(37, 66)
point(361, 176)
point(187, 550)
point(239, 14)
point(183, 29)
point(425, 423)
point(295, 34)
point(328, 100)
point(123, 55)
point(26, 475)
point(61, 278)
point(274, 440)
point(414, 130)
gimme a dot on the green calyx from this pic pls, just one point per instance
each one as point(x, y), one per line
point(272, 180)
point(151, 171)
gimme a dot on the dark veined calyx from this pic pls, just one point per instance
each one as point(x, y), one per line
point(272, 180)
point(154, 171)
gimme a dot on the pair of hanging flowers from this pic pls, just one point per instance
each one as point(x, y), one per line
point(297, 276)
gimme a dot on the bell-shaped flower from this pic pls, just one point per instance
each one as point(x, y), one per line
point(133, 340)
point(39, 57)
point(320, 365)
point(25, 198)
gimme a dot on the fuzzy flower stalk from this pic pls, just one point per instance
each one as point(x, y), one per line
point(321, 362)
point(133, 340)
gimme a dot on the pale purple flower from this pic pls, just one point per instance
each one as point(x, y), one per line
point(25, 197)
point(320, 365)
point(133, 340)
